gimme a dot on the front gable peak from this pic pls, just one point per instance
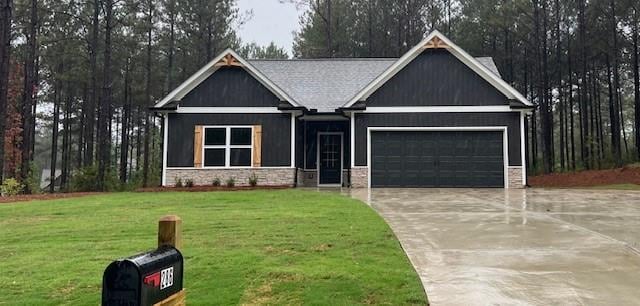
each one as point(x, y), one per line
point(227, 58)
point(437, 40)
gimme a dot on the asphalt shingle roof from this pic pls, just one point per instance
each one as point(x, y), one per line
point(328, 84)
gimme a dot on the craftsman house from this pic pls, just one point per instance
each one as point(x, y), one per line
point(436, 117)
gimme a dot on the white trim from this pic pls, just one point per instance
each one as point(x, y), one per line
point(164, 149)
point(227, 146)
point(523, 150)
point(318, 158)
point(503, 129)
point(454, 49)
point(293, 140)
point(439, 109)
point(352, 138)
point(206, 71)
point(228, 110)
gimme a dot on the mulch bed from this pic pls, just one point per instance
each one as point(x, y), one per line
point(209, 188)
point(53, 196)
point(625, 175)
point(44, 196)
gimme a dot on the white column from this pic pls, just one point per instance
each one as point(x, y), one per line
point(293, 140)
point(164, 149)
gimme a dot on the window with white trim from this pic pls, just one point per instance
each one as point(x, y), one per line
point(228, 146)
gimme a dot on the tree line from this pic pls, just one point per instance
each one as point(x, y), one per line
point(77, 79)
point(576, 60)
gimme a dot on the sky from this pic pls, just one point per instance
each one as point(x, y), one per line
point(271, 21)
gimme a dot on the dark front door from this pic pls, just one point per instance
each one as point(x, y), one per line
point(330, 159)
point(437, 159)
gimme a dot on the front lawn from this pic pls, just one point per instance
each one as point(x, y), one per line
point(250, 247)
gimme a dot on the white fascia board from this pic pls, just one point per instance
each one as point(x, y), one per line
point(454, 49)
point(210, 68)
point(439, 109)
point(228, 110)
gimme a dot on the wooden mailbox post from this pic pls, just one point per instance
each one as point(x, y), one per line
point(170, 233)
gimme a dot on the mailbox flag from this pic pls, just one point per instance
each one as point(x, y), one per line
point(152, 279)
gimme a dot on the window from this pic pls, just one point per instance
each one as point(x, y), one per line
point(228, 146)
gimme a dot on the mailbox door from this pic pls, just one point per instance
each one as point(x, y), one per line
point(120, 284)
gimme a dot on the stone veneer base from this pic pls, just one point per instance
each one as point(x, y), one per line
point(286, 176)
point(266, 176)
point(360, 177)
point(515, 177)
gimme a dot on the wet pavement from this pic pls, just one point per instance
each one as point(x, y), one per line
point(518, 247)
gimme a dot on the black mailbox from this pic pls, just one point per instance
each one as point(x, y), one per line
point(143, 279)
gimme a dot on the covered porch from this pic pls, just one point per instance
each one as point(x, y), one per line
point(323, 150)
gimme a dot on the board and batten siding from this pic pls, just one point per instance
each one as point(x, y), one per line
point(436, 78)
point(275, 128)
point(230, 87)
point(509, 119)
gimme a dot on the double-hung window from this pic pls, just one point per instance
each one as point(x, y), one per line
point(228, 146)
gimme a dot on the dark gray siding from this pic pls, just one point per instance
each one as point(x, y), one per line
point(311, 139)
point(276, 136)
point(228, 87)
point(510, 120)
point(436, 78)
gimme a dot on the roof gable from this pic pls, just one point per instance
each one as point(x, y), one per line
point(228, 58)
point(437, 40)
point(436, 78)
point(230, 86)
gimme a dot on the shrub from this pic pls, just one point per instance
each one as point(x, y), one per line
point(10, 187)
point(253, 180)
point(32, 182)
point(231, 182)
point(188, 183)
point(84, 179)
point(179, 182)
point(216, 182)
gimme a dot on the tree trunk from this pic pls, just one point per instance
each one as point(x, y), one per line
point(66, 144)
point(54, 132)
point(583, 105)
point(329, 30)
point(147, 125)
point(614, 112)
point(172, 41)
point(126, 111)
point(104, 136)
point(5, 50)
point(89, 128)
point(636, 79)
point(29, 94)
point(613, 116)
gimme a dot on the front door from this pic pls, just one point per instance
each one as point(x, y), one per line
point(330, 159)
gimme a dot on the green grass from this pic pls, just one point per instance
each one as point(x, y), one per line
point(255, 247)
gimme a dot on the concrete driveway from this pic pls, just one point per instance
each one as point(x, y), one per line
point(518, 247)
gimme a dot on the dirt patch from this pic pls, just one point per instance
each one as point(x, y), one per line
point(588, 178)
point(258, 296)
point(209, 188)
point(45, 196)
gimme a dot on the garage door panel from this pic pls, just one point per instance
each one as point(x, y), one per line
point(437, 159)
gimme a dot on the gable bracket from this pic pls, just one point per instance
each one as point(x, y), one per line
point(435, 43)
point(229, 61)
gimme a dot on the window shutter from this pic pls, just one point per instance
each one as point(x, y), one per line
point(197, 146)
point(257, 145)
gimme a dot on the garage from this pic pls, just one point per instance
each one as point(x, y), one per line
point(437, 158)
